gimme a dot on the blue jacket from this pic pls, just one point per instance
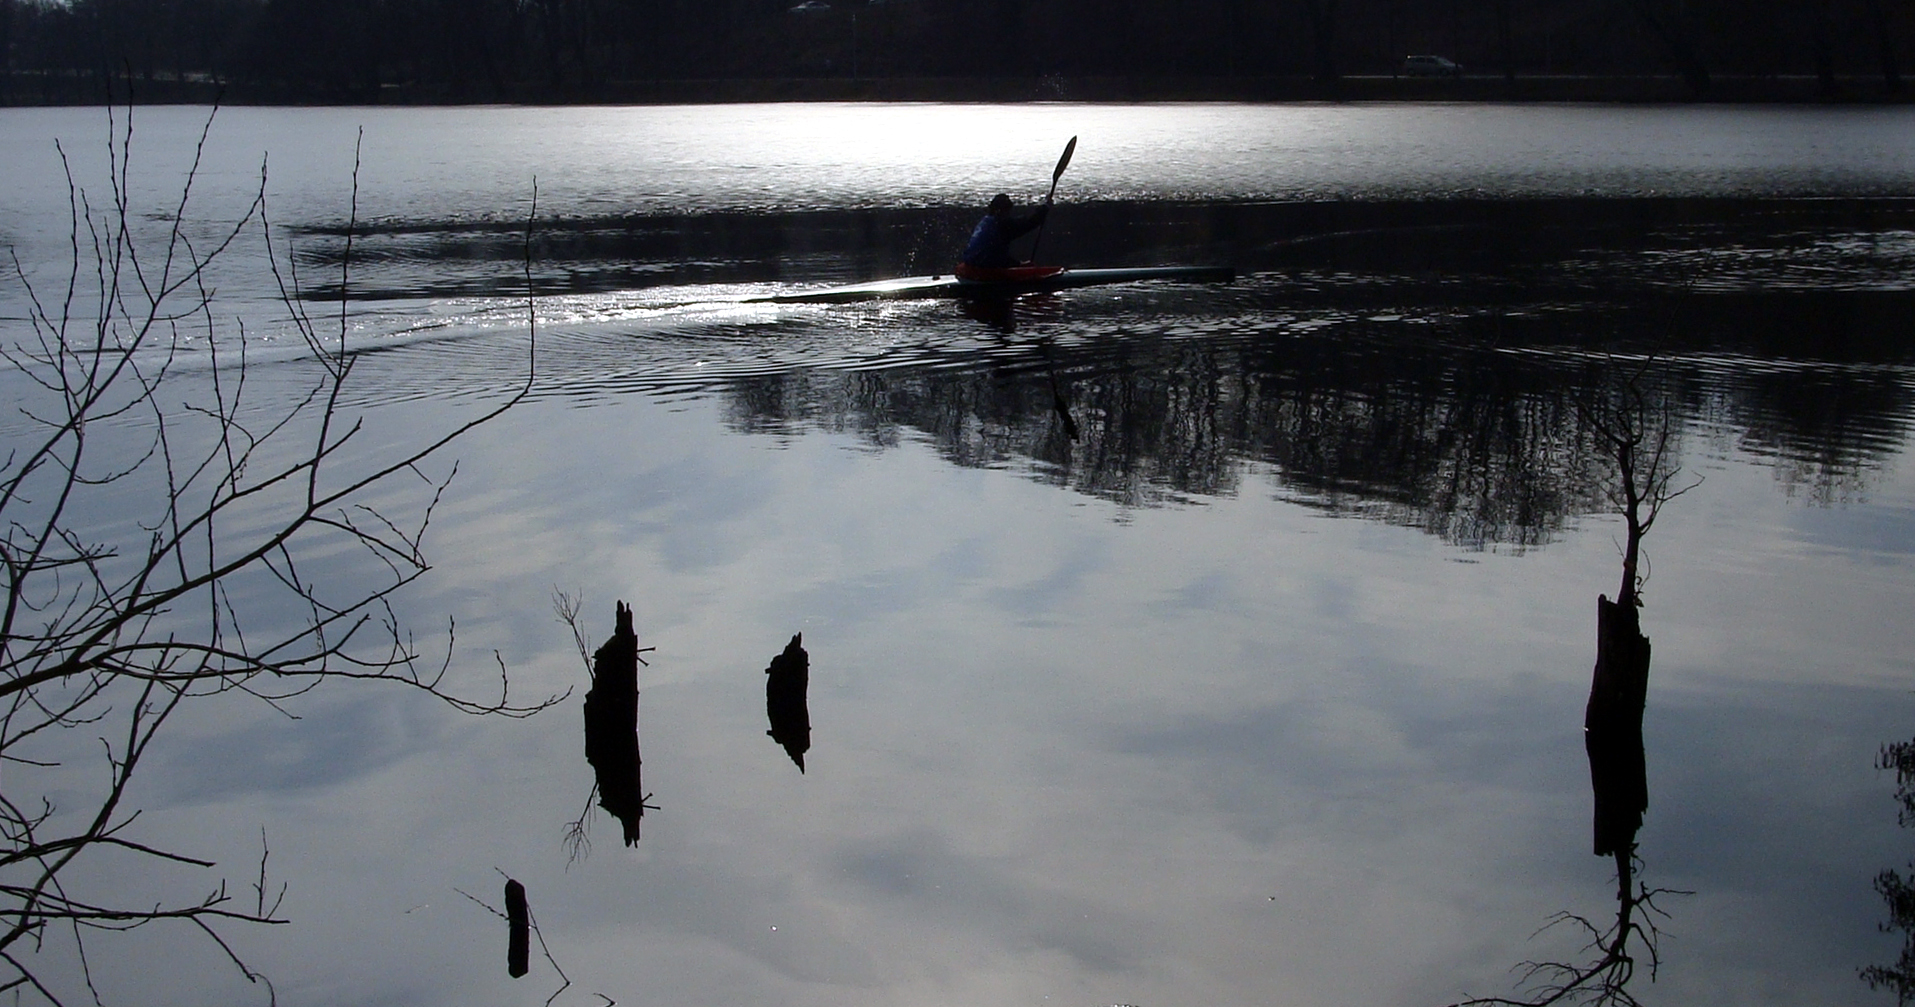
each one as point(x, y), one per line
point(990, 246)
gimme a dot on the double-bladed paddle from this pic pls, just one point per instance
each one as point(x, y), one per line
point(1056, 173)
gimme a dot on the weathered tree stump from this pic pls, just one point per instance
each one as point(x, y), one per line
point(786, 682)
point(518, 920)
point(1612, 726)
point(611, 726)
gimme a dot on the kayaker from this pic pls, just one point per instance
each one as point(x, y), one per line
point(990, 246)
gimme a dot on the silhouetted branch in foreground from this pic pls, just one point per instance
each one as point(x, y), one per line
point(267, 560)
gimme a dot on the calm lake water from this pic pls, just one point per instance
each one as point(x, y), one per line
point(1168, 644)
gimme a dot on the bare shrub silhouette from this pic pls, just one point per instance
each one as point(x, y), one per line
point(265, 551)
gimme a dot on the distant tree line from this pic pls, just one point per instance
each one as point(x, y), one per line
point(479, 50)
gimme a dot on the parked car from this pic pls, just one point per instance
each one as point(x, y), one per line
point(810, 7)
point(1431, 66)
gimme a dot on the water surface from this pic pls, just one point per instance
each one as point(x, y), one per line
point(1167, 644)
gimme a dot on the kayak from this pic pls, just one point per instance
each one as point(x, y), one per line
point(998, 283)
point(1004, 274)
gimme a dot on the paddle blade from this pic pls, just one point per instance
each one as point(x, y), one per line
point(1065, 161)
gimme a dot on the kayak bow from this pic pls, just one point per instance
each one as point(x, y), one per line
point(998, 283)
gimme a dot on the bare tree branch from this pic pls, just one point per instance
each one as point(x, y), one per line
point(109, 629)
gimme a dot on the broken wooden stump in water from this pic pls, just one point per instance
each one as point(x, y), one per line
point(611, 726)
point(518, 919)
point(787, 679)
point(1612, 726)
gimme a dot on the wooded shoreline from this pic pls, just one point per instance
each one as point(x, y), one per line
point(33, 89)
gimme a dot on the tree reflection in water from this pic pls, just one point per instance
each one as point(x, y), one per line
point(1489, 424)
point(1477, 437)
point(1638, 427)
point(1897, 889)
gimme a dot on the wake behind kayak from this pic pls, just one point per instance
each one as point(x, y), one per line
point(1025, 280)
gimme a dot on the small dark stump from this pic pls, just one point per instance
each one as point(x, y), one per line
point(518, 919)
point(786, 681)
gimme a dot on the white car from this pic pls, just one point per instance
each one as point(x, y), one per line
point(1431, 66)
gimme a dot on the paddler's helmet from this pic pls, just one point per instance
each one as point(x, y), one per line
point(1000, 203)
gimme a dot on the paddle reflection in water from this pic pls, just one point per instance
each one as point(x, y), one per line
point(1002, 315)
point(1638, 427)
point(786, 680)
point(1060, 392)
point(611, 725)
